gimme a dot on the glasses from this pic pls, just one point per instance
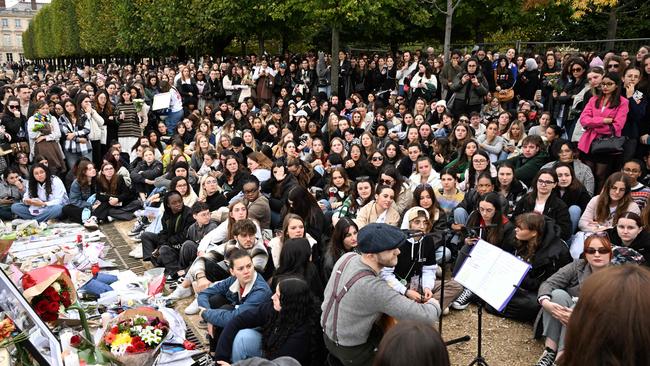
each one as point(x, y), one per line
point(601, 250)
point(577, 69)
point(387, 182)
point(13, 106)
point(545, 182)
point(608, 84)
point(377, 158)
point(463, 120)
point(480, 161)
point(612, 66)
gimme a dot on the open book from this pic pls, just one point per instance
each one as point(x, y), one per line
point(492, 274)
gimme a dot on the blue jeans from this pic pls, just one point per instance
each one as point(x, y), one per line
point(49, 212)
point(72, 158)
point(247, 344)
point(460, 217)
point(172, 120)
point(575, 212)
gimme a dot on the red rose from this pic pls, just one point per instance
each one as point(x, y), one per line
point(75, 341)
point(130, 349)
point(53, 307)
point(41, 307)
point(115, 329)
point(65, 298)
point(49, 317)
point(135, 340)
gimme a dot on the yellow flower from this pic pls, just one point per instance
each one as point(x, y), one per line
point(122, 338)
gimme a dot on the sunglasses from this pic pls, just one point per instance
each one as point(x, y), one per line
point(612, 66)
point(13, 107)
point(577, 69)
point(377, 158)
point(386, 182)
point(601, 250)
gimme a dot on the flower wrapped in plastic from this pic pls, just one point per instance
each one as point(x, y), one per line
point(49, 290)
point(135, 336)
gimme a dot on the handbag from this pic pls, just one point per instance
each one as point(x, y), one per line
point(21, 146)
point(612, 145)
point(505, 95)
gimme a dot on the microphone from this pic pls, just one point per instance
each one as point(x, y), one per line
point(415, 233)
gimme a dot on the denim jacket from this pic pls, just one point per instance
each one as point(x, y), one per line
point(255, 293)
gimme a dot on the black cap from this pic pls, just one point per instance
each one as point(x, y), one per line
point(275, 110)
point(237, 141)
point(376, 238)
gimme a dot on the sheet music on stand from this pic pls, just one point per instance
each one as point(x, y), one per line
point(492, 274)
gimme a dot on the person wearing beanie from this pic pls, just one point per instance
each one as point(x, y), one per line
point(355, 296)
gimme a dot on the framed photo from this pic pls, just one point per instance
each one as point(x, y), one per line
point(44, 347)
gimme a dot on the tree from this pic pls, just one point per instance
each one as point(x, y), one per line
point(449, 15)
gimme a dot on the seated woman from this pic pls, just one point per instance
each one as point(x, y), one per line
point(12, 190)
point(508, 186)
point(336, 191)
point(232, 181)
point(543, 200)
point(424, 174)
point(343, 240)
point(604, 209)
point(145, 173)
point(82, 196)
point(491, 142)
point(362, 192)
point(488, 223)
point(178, 168)
point(302, 203)
point(557, 294)
point(274, 329)
point(629, 233)
point(278, 188)
point(538, 243)
point(400, 185)
point(44, 196)
point(380, 210)
point(293, 227)
point(116, 200)
point(296, 260)
point(424, 197)
point(567, 152)
point(449, 196)
point(572, 192)
point(480, 163)
point(244, 290)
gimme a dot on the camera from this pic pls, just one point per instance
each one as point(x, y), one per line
point(469, 232)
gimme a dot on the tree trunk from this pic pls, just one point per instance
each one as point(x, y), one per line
point(612, 24)
point(260, 42)
point(334, 72)
point(449, 14)
point(285, 43)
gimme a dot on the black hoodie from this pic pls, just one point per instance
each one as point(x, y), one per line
point(174, 226)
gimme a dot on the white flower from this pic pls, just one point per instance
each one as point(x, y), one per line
point(56, 286)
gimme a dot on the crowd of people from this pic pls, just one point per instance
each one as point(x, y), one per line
point(277, 202)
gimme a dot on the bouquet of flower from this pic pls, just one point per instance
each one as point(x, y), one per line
point(134, 338)
point(49, 290)
point(10, 337)
point(138, 104)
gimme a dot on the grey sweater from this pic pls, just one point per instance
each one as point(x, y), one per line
point(365, 302)
point(569, 278)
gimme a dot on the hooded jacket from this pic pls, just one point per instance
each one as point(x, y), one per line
point(552, 254)
point(175, 226)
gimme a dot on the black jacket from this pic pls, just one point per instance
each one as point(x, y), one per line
point(578, 198)
point(174, 227)
point(278, 196)
point(552, 255)
point(297, 345)
point(555, 209)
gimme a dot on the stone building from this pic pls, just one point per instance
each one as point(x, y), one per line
point(14, 20)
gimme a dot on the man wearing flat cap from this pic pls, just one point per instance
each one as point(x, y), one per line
point(355, 297)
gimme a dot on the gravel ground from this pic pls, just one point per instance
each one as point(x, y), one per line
point(505, 342)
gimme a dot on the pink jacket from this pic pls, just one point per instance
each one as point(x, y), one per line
point(592, 121)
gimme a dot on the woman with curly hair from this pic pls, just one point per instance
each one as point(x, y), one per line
point(286, 324)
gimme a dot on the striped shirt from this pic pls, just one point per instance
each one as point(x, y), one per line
point(130, 125)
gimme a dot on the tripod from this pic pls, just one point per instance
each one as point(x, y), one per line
point(479, 360)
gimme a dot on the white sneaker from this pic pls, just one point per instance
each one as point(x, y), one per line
point(192, 308)
point(136, 252)
point(91, 223)
point(180, 293)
